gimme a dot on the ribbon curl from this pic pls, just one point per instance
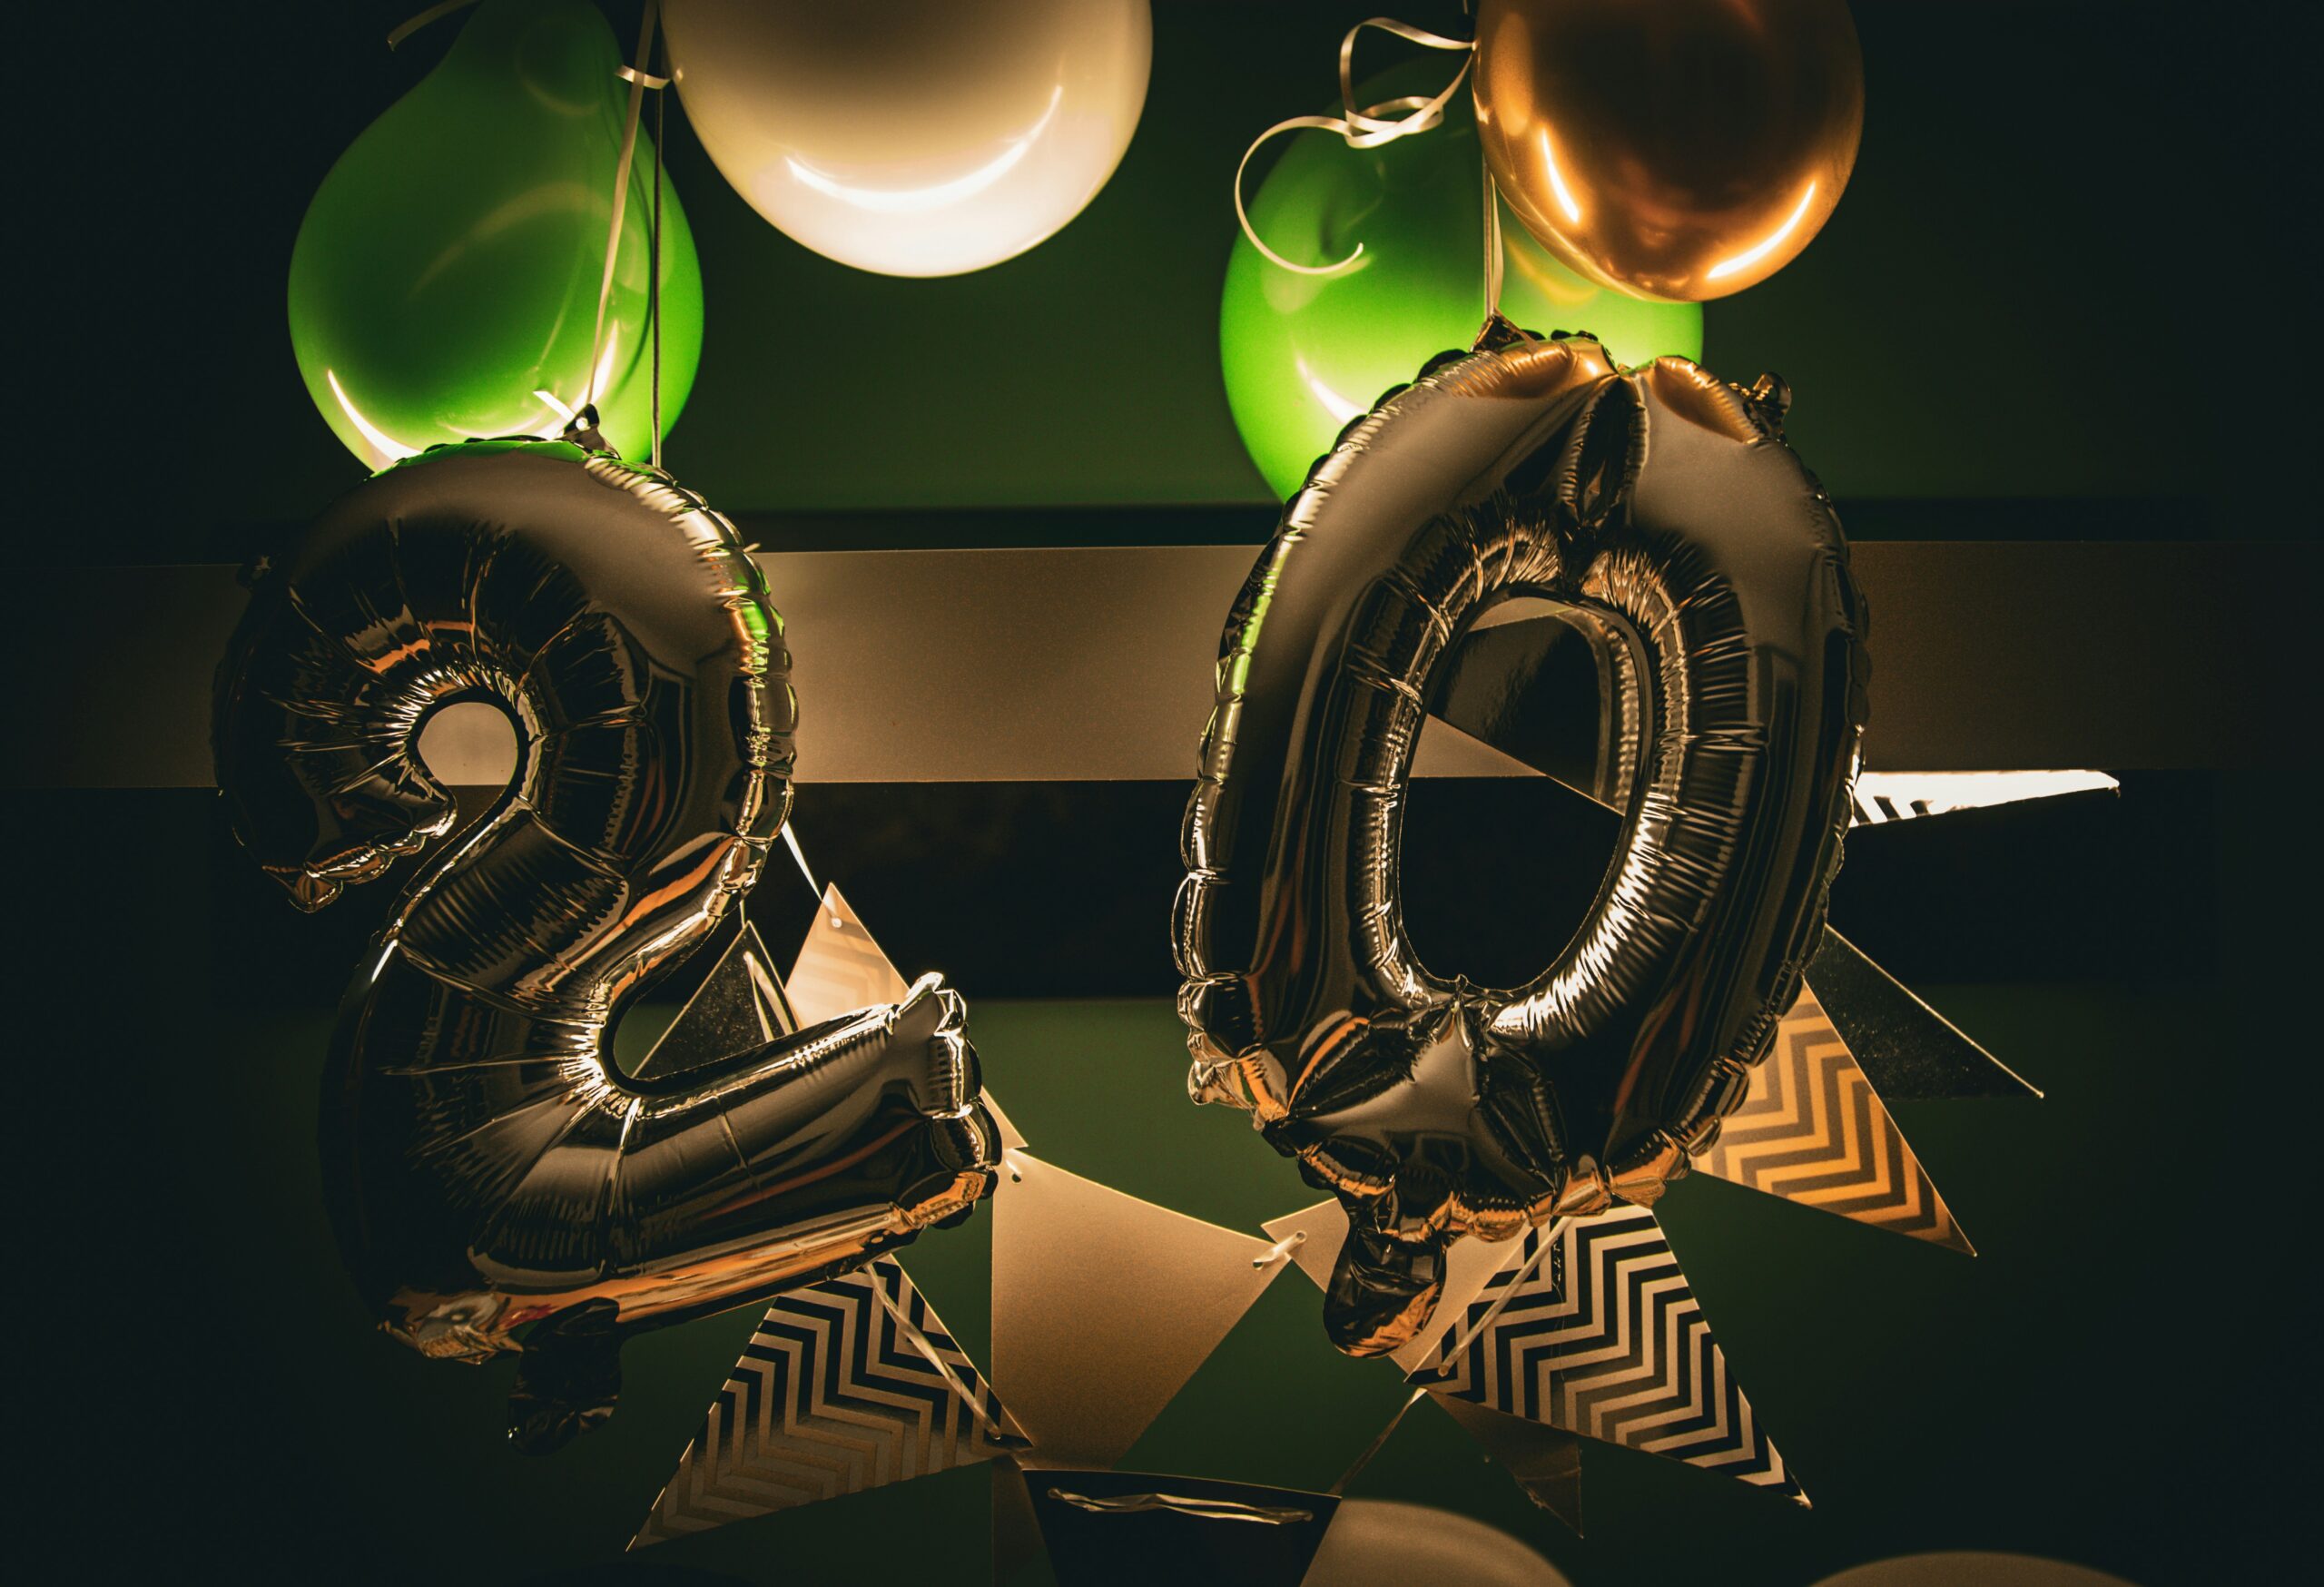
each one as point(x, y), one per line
point(1365, 128)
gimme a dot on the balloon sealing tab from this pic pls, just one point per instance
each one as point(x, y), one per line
point(1498, 333)
point(1281, 1249)
point(582, 429)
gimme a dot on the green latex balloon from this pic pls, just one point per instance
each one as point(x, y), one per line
point(1303, 354)
point(445, 281)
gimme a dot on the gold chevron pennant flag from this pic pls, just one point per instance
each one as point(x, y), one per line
point(739, 1005)
point(1811, 1130)
point(1595, 1331)
point(1312, 1238)
point(1103, 1306)
point(847, 1385)
point(840, 967)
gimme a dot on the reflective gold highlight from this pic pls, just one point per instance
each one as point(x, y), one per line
point(1682, 150)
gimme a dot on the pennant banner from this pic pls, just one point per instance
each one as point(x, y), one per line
point(848, 1385)
point(1595, 1331)
point(1546, 1461)
point(740, 1005)
point(1103, 1306)
point(840, 969)
point(1811, 1130)
point(1911, 1052)
point(1885, 796)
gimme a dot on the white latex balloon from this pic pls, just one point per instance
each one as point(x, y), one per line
point(913, 137)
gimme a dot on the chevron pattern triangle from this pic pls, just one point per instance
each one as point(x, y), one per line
point(847, 1385)
point(1593, 1329)
point(1811, 1130)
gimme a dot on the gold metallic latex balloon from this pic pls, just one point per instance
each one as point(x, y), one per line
point(1676, 149)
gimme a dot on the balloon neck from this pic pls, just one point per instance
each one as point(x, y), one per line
point(1499, 332)
point(582, 430)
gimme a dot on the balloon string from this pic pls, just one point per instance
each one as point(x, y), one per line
point(639, 79)
point(1493, 245)
point(1366, 128)
point(921, 1341)
point(1450, 1348)
point(653, 285)
point(791, 841)
point(412, 25)
point(1494, 258)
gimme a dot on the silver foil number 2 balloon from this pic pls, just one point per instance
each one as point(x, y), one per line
point(1661, 513)
point(489, 1169)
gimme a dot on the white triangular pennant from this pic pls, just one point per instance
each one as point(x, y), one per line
point(840, 969)
point(1103, 1307)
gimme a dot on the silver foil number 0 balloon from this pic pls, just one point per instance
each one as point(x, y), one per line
point(1661, 512)
point(489, 1169)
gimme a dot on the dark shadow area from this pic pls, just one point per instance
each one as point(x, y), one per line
point(1023, 890)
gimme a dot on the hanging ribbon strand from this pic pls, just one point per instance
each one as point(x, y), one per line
point(1492, 246)
point(654, 273)
point(1368, 127)
point(639, 79)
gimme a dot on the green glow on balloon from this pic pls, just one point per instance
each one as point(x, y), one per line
point(1304, 354)
point(445, 281)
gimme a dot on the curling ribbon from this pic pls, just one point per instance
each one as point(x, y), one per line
point(412, 25)
point(1367, 128)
